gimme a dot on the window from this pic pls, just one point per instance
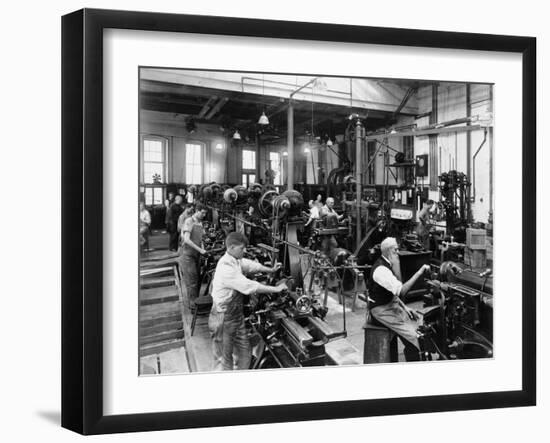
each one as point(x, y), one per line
point(153, 161)
point(249, 167)
point(249, 159)
point(275, 166)
point(248, 179)
point(193, 163)
point(154, 196)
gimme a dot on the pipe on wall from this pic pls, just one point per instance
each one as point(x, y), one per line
point(290, 145)
point(474, 164)
point(358, 179)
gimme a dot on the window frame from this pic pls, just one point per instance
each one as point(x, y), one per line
point(164, 152)
point(202, 147)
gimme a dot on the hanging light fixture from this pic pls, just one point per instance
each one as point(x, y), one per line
point(329, 142)
point(263, 118)
point(236, 135)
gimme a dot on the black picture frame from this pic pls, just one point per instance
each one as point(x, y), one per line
point(82, 189)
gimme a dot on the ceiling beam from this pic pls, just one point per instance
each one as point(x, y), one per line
point(206, 106)
point(216, 108)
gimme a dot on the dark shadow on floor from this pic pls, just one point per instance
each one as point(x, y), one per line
point(54, 417)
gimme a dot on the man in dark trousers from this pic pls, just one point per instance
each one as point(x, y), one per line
point(423, 225)
point(191, 251)
point(226, 322)
point(172, 215)
point(387, 306)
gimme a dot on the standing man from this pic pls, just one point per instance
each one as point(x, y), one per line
point(187, 212)
point(387, 307)
point(423, 225)
point(144, 223)
point(191, 251)
point(226, 322)
point(172, 215)
point(328, 209)
point(313, 213)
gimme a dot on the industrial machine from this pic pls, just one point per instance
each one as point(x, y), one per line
point(289, 330)
point(457, 321)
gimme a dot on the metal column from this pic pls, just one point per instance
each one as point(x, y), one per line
point(358, 178)
point(290, 145)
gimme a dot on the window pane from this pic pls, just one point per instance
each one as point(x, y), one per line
point(244, 180)
point(249, 159)
point(149, 196)
point(193, 163)
point(152, 150)
point(157, 196)
point(251, 178)
point(150, 169)
point(275, 165)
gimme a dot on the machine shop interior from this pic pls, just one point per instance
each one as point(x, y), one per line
point(320, 174)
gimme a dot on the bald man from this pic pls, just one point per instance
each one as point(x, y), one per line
point(387, 290)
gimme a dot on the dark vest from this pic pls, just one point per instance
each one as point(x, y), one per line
point(379, 294)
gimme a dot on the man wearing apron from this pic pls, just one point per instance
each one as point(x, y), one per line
point(226, 322)
point(191, 251)
point(386, 293)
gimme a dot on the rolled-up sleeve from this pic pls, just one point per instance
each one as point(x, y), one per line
point(235, 280)
point(187, 225)
point(385, 278)
point(250, 266)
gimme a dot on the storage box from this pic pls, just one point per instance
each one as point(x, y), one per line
point(476, 238)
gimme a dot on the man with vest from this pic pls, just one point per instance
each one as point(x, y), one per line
point(387, 306)
point(329, 212)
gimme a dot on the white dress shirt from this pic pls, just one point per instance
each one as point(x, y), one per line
point(387, 279)
point(229, 279)
point(145, 217)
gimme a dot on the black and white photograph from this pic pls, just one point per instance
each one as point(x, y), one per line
point(291, 221)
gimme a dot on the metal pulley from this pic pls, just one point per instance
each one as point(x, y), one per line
point(265, 203)
point(242, 194)
point(281, 204)
point(210, 191)
point(296, 201)
point(230, 195)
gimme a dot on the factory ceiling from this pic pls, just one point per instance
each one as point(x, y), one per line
point(233, 101)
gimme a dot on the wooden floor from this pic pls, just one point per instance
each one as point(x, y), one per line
point(164, 310)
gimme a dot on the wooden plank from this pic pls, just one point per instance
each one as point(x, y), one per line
point(156, 282)
point(146, 264)
point(157, 348)
point(158, 295)
point(166, 319)
point(159, 255)
point(156, 271)
point(161, 337)
point(159, 310)
point(160, 327)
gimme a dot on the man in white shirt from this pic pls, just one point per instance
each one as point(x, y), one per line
point(387, 306)
point(226, 322)
point(328, 209)
point(144, 223)
point(313, 213)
